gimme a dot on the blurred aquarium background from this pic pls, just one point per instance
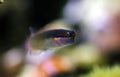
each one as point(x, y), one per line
point(95, 51)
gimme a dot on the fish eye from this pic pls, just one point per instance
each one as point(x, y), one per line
point(68, 34)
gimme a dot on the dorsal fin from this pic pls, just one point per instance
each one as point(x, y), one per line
point(32, 31)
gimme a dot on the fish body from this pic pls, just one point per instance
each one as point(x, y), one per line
point(43, 45)
point(51, 38)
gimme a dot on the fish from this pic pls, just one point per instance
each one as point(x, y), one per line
point(51, 39)
point(43, 45)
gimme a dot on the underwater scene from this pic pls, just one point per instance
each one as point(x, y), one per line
point(60, 38)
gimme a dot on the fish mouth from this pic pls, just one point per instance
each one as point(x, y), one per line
point(63, 41)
